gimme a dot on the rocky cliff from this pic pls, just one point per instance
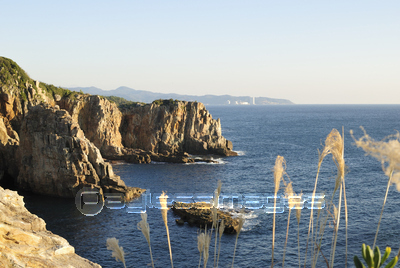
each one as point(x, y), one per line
point(42, 148)
point(173, 127)
point(98, 118)
point(165, 130)
point(162, 131)
point(25, 242)
point(55, 158)
point(56, 151)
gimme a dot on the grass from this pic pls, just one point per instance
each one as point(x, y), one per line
point(387, 151)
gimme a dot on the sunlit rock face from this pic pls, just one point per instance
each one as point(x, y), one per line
point(172, 128)
point(55, 158)
point(25, 242)
point(98, 118)
point(153, 132)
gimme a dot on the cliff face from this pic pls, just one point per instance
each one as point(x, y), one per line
point(140, 134)
point(9, 141)
point(55, 158)
point(25, 242)
point(98, 118)
point(173, 128)
point(74, 138)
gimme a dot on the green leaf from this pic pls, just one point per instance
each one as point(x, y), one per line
point(358, 263)
point(377, 257)
point(370, 257)
point(392, 263)
point(364, 252)
point(386, 255)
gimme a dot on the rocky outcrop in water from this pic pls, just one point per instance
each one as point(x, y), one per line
point(201, 216)
point(25, 242)
point(173, 127)
point(161, 131)
point(55, 158)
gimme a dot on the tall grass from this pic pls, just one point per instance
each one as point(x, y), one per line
point(117, 251)
point(145, 228)
point(241, 222)
point(334, 145)
point(164, 210)
point(279, 172)
point(387, 151)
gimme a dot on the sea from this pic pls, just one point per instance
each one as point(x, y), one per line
point(259, 135)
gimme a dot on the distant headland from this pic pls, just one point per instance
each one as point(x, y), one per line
point(147, 97)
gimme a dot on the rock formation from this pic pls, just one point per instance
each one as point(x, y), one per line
point(166, 131)
point(99, 119)
point(55, 158)
point(25, 242)
point(200, 216)
point(173, 127)
point(32, 146)
point(53, 151)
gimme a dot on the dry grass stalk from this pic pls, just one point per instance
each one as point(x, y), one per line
point(207, 240)
point(334, 144)
point(221, 231)
point(200, 244)
point(279, 171)
point(164, 210)
point(291, 197)
point(298, 217)
point(145, 228)
point(215, 216)
point(240, 225)
point(117, 251)
point(387, 151)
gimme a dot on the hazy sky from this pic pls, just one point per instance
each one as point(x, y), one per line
point(306, 51)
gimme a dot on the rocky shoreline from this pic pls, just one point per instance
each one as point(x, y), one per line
point(52, 142)
point(25, 241)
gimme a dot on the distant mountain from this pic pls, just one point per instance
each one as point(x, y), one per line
point(147, 97)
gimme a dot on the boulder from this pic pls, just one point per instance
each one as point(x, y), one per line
point(200, 215)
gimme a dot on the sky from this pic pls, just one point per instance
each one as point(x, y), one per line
point(310, 52)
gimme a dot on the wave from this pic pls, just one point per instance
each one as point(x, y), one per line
point(240, 153)
point(250, 217)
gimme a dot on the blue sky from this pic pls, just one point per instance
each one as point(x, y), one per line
point(311, 52)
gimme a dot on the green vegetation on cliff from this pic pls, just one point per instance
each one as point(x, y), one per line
point(123, 103)
point(52, 91)
point(11, 74)
point(165, 102)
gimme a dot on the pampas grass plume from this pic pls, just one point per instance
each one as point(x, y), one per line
point(387, 151)
point(164, 210)
point(117, 251)
point(221, 231)
point(207, 240)
point(240, 225)
point(200, 244)
point(145, 228)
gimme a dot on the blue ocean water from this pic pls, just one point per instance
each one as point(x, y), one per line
point(259, 134)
